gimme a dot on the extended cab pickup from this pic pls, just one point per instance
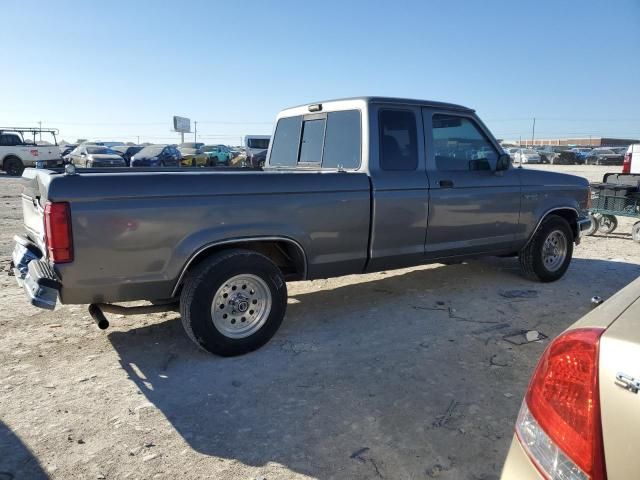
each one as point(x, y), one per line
point(350, 186)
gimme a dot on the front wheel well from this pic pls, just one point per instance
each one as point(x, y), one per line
point(286, 254)
point(571, 216)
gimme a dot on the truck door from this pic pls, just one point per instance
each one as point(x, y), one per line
point(473, 208)
point(400, 196)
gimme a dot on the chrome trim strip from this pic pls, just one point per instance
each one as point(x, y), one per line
point(238, 240)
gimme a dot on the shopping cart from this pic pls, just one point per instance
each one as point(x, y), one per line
point(610, 200)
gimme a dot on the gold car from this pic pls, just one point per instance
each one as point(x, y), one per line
point(580, 418)
point(193, 155)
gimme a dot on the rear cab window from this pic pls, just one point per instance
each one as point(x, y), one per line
point(329, 140)
point(398, 140)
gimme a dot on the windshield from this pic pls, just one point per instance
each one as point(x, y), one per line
point(101, 151)
point(150, 151)
point(529, 152)
point(261, 143)
point(604, 152)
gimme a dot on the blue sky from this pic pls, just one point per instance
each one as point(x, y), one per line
point(121, 69)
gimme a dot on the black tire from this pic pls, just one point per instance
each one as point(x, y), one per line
point(204, 283)
point(532, 256)
point(214, 162)
point(607, 224)
point(635, 232)
point(13, 166)
point(595, 224)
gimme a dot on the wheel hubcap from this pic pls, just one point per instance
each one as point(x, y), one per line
point(554, 250)
point(241, 306)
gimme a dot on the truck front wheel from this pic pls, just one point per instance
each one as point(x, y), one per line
point(548, 254)
point(13, 166)
point(233, 302)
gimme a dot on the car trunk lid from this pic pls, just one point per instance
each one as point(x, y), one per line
point(619, 396)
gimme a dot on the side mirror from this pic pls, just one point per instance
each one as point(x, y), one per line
point(504, 160)
point(83, 154)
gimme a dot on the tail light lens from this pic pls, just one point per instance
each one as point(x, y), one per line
point(626, 165)
point(57, 227)
point(559, 423)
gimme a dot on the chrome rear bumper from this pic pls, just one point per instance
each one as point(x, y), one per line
point(34, 274)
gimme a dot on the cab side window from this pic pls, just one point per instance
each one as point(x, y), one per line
point(460, 145)
point(398, 140)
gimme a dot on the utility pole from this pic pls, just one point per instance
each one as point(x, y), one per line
point(138, 139)
point(533, 131)
point(40, 125)
point(195, 131)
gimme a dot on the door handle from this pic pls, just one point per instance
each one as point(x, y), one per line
point(446, 183)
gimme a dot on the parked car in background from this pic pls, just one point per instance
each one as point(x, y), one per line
point(511, 151)
point(127, 151)
point(579, 419)
point(547, 154)
point(258, 160)
point(632, 159)
point(566, 157)
point(603, 156)
point(17, 153)
point(620, 150)
point(218, 154)
point(581, 152)
point(193, 155)
point(254, 144)
point(66, 150)
point(157, 156)
point(527, 155)
point(96, 156)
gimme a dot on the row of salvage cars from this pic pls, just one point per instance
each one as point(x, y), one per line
point(559, 155)
point(94, 155)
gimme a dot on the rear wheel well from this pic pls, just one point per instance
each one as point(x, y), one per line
point(287, 255)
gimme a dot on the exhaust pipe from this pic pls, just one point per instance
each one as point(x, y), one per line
point(98, 316)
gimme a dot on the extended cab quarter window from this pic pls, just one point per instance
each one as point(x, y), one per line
point(342, 140)
point(312, 141)
point(330, 140)
point(398, 140)
point(460, 145)
point(284, 150)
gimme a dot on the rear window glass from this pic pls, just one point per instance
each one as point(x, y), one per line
point(261, 143)
point(284, 151)
point(398, 140)
point(342, 140)
point(312, 141)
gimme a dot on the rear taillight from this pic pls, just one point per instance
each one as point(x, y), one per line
point(559, 423)
point(626, 165)
point(57, 228)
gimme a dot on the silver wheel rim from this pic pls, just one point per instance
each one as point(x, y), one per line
point(554, 250)
point(241, 306)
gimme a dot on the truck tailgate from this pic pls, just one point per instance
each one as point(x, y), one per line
point(33, 201)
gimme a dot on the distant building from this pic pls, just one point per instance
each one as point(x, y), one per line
point(583, 142)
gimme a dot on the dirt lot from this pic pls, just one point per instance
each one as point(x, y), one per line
point(398, 375)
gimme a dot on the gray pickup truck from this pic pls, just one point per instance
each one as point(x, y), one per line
point(350, 186)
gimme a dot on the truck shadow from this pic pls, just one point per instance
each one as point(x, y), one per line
point(383, 378)
point(16, 460)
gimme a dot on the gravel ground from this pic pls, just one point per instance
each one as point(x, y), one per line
point(406, 374)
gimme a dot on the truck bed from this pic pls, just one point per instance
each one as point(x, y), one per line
point(133, 231)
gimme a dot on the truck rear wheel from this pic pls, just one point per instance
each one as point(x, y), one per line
point(548, 254)
point(13, 166)
point(233, 302)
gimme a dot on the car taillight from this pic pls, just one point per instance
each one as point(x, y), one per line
point(57, 228)
point(559, 423)
point(626, 165)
